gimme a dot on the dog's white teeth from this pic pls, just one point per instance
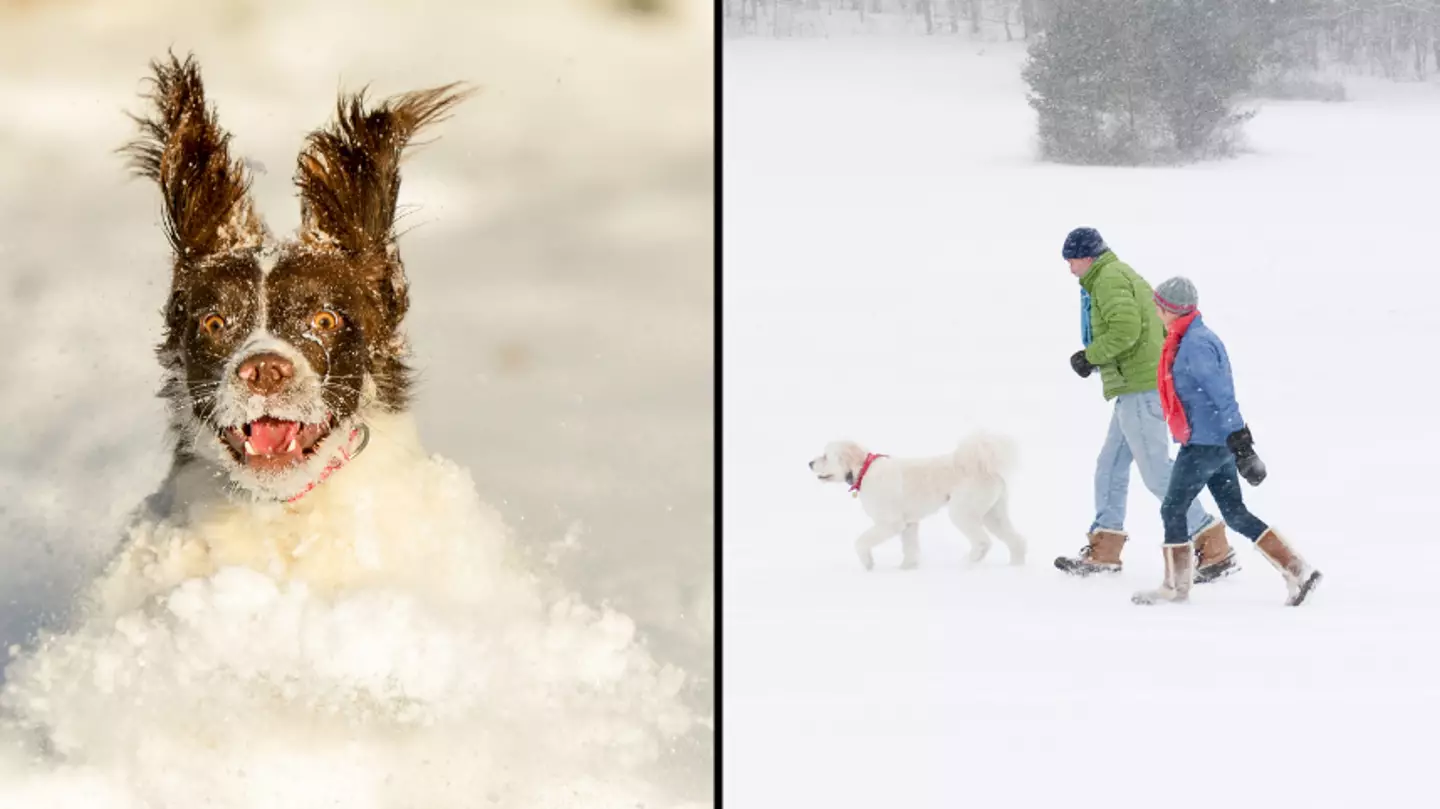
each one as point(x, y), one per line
point(291, 447)
point(250, 449)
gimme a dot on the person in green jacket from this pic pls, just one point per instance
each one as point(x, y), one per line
point(1123, 337)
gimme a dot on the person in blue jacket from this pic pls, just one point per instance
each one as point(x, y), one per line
point(1197, 395)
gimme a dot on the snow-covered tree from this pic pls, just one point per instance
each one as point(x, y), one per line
point(1137, 81)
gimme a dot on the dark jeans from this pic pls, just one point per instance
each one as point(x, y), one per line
point(1196, 467)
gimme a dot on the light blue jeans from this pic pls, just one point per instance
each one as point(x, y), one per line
point(1137, 433)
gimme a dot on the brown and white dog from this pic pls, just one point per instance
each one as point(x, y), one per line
point(284, 359)
point(897, 493)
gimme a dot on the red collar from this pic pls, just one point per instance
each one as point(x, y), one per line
point(865, 467)
point(334, 466)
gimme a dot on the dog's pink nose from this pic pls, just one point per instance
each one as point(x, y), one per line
point(266, 374)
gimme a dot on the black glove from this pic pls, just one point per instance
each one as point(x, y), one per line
point(1242, 444)
point(1081, 365)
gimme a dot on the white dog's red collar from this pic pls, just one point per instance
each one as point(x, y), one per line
point(334, 466)
point(865, 467)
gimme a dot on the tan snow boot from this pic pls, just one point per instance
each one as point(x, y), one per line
point(1300, 578)
point(1179, 574)
point(1214, 558)
point(1100, 555)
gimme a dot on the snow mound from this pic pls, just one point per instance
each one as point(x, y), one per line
point(256, 690)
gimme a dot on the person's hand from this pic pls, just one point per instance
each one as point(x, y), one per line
point(1081, 365)
point(1242, 444)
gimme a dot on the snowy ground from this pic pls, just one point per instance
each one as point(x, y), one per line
point(892, 275)
point(561, 264)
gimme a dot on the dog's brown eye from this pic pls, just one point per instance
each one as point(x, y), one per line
point(212, 324)
point(325, 320)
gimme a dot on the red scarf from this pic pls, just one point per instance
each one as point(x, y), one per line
point(1169, 400)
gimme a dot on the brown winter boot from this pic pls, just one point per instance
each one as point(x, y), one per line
point(1179, 573)
point(1214, 558)
point(1101, 555)
point(1300, 578)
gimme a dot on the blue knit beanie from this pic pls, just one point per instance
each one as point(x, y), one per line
point(1083, 243)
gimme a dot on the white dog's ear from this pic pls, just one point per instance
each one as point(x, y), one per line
point(851, 457)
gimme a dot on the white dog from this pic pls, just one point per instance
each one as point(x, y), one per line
point(897, 493)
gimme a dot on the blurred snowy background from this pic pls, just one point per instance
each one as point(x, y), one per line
point(561, 263)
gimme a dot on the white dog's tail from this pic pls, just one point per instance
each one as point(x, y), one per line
point(985, 454)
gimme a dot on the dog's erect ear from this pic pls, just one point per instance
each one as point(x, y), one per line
point(349, 178)
point(181, 147)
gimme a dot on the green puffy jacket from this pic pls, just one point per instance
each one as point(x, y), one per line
point(1126, 332)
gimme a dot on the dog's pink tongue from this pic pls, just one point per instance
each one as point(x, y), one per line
point(271, 436)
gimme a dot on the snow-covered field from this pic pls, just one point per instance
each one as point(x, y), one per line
point(561, 260)
point(892, 275)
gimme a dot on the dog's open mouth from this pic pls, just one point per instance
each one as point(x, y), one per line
point(271, 444)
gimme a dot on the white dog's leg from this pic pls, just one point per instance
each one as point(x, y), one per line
point(910, 543)
point(972, 528)
point(997, 519)
point(868, 540)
